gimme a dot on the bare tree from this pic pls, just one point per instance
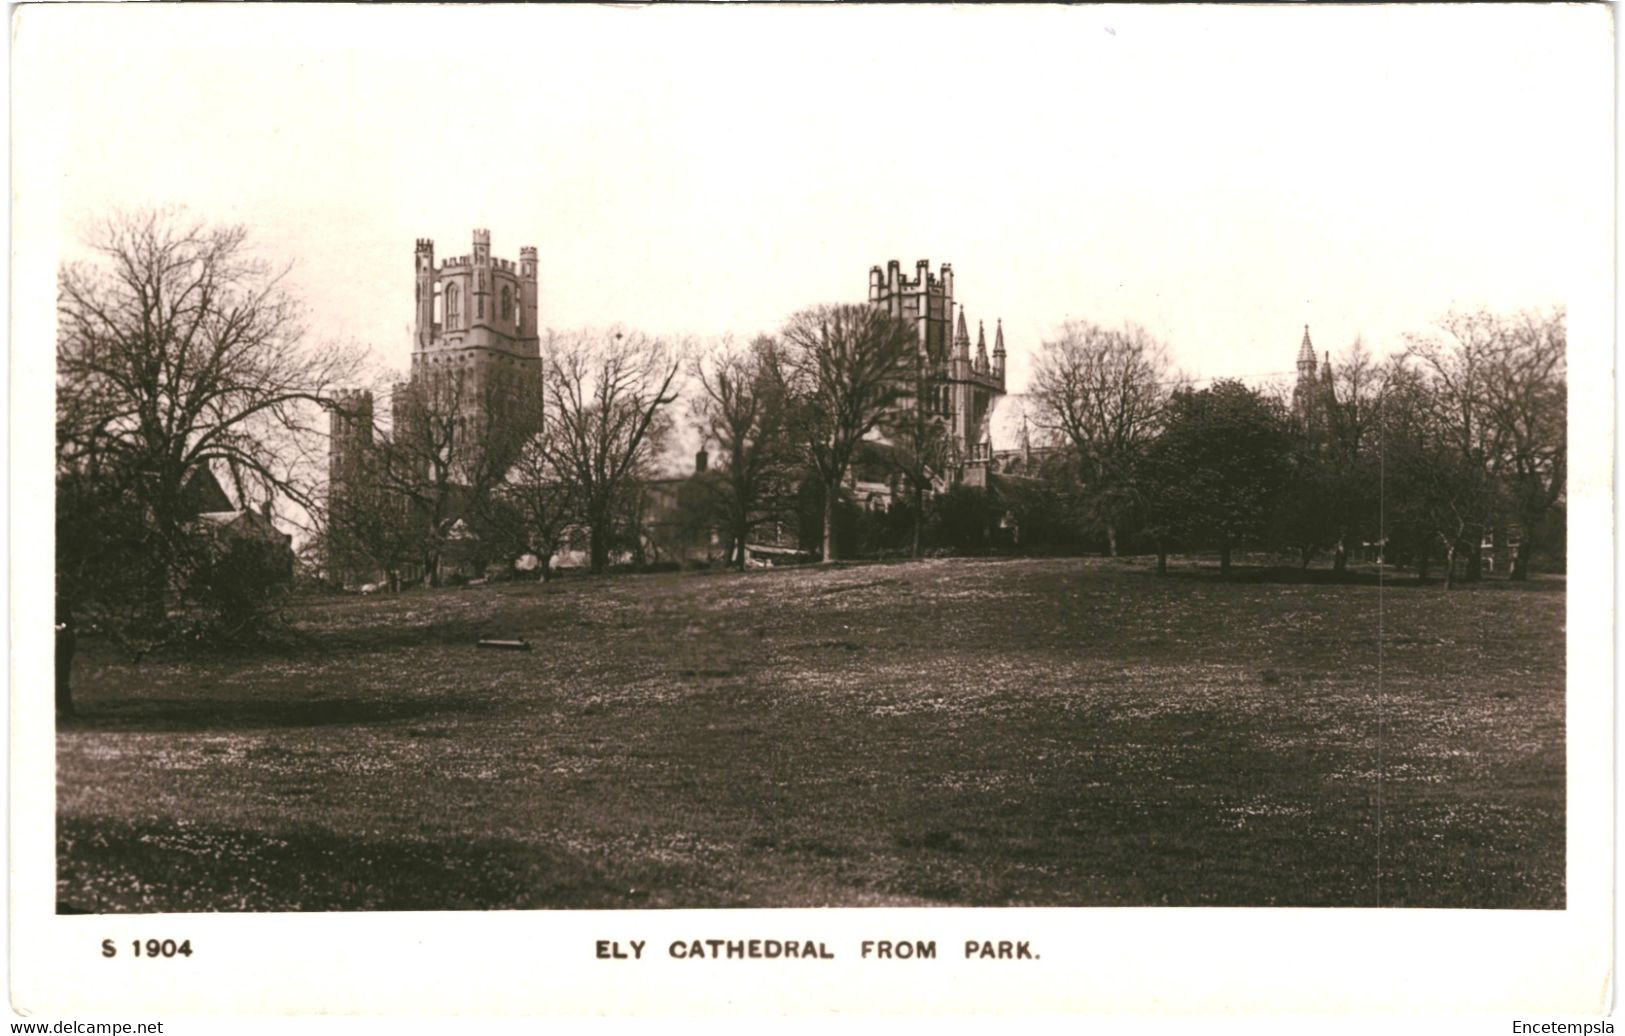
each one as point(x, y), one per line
point(1496, 395)
point(1526, 392)
point(920, 452)
point(1434, 496)
point(847, 368)
point(1104, 389)
point(454, 436)
point(367, 523)
point(605, 413)
point(741, 406)
point(542, 501)
point(178, 349)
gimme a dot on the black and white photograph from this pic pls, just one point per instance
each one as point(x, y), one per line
point(815, 487)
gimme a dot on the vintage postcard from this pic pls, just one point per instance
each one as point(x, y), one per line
point(783, 509)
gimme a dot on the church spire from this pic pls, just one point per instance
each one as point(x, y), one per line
point(998, 347)
point(1306, 355)
point(981, 346)
point(962, 337)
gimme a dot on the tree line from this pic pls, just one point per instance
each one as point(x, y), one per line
point(509, 465)
point(1458, 438)
point(180, 350)
point(181, 353)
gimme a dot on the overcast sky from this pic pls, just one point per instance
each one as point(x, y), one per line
point(1222, 176)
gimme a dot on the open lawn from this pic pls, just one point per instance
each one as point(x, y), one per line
point(964, 732)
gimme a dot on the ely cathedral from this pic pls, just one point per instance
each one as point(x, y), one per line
point(959, 388)
point(476, 353)
point(476, 363)
point(472, 394)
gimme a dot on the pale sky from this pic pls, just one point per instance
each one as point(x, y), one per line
point(1222, 175)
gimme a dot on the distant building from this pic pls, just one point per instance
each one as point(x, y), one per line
point(959, 387)
point(210, 507)
point(476, 357)
point(476, 346)
point(1312, 393)
point(476, 361)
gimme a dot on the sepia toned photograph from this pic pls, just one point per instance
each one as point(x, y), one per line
point(677, 538)
point(637, 460)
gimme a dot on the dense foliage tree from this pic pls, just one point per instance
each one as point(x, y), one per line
point(1046, 504)
point(1332, 499)
point(964, 518)
point(1217, 469)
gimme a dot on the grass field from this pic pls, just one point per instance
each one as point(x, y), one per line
point(1045, 732)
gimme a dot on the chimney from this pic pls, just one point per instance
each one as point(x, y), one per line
point(700, 461)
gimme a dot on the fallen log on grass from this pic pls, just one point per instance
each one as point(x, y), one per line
point(508, 645)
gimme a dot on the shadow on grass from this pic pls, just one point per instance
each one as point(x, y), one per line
point(289, 641)
point(107, 866)
point(1292, 575)
point(177, 715)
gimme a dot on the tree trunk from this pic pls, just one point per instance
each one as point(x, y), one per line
point(1450, 567)
point(829, 522)
point(1423, 563)
point(919, 517)
point(1520, 560)
point(1306, 555)
point(1162, 560)
point(154, 609)
point(1475, 559)
point(545, 573)
point(1111, 538)
point(66, 643)
point(1340, 558)
point(1224, 557)
point(598, 543)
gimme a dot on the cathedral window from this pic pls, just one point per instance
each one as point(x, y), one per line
point(507, 303)
point(452, 310)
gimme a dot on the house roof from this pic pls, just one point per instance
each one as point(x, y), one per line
point(201, 492)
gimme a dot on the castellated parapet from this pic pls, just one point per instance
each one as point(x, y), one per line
point(476, 349)
point(475, 302)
